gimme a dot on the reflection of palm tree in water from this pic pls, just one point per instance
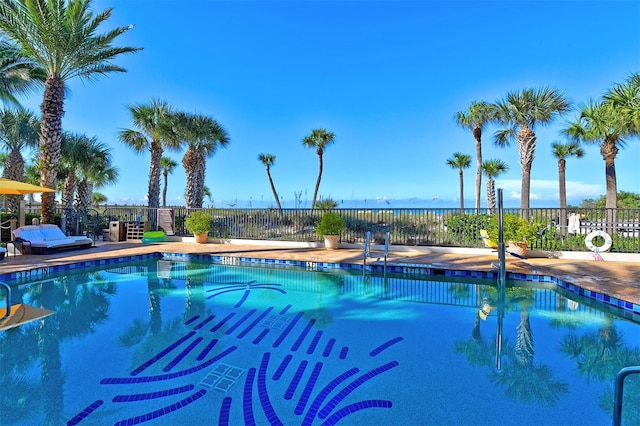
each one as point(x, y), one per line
point(600, 356)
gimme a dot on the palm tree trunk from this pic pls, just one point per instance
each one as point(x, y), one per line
point(526, 141)
point(477, 134)
point(562, 193)
point(14, 170)
point(155, 169)
point(461, 193)
point(491, 195)
point(273, 188)
point(609, 152)
point(164, 190)
point(315, 191)
point(52, 108)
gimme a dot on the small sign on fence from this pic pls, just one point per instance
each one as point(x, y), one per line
point(166, 221)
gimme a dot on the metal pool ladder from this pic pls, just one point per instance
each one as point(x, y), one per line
point(8, 288)
point(619, 392)
point(366, 252)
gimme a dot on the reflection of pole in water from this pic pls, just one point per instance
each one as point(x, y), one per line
point(502, 283)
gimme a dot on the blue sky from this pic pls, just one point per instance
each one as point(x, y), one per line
point(386, 77)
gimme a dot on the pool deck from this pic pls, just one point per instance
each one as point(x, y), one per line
point(617, 279)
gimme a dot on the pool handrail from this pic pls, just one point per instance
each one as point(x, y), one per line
point(619, 392)
point(8, 313)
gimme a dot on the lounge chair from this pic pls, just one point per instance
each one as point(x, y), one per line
point(44, 239)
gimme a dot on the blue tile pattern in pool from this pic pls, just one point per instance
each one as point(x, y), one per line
point(283, 351)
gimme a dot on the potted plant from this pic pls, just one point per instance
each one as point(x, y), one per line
point(199, 224)
point(330, 227)
point(517, 232)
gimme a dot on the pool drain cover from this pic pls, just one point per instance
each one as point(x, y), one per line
point(275, 321)
point(223, 377)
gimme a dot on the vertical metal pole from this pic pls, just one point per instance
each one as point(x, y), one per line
point(502, 283)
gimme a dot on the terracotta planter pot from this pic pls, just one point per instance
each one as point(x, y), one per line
point(202, 238)
point(517, 248)
point(331, 242)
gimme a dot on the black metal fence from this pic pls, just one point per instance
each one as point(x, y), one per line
point(410, 227)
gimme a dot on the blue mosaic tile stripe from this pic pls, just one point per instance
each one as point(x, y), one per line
point(261, 336)
point(242, 299)
point(221, 292)
point(204, 322)
point(272, 417)
point(225, 411)
point(282, 367)
point(223, 322)
point(352, 408)
point(152, 395)
point(182, 355)
point(255, 322)
point(162, 353)
point(192, 319)
point(295, 380)
point(346, 391)
point(84, 413)
point(285, 309)
point(303, 335)
point(314, 342)
point(343, 352)
point(324, 393)
point(384, 346)
point(247, 400)
point(329, 347)
point(240, 321)
point(206, 350)
point(160, 377)
point(306, 393)
point(162, 411)
point(287, 330)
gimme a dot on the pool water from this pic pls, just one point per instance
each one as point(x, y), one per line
point(201, 343)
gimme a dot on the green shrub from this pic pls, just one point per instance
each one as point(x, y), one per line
point(331, 223)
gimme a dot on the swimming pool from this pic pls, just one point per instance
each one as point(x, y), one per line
point(176, 340)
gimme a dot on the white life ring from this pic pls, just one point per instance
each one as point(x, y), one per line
point(591, 235)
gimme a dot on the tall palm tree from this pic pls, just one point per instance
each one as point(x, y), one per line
point(61, 38)
point(561, 152)
point(318, 139)
point(521, 111)
point(600, 123)
point(152, 132)
point(460, 161)
point(203, 135)
point(475, 118)
point(18, 75)
point(167, 165)
point(18, 130)
point(493, 168)
point(269, 160)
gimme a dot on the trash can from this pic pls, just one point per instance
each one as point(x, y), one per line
point(117, 231)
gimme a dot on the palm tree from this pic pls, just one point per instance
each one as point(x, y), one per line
point(167, 165)
point(152, 132)
point(625, 99)
point(61, 38)
point(18, 75)
point(74, 152)
point(18, 130)
point(600, 123)
point(561, 152)
point(493, 168)
point(268, 160)
point(203, 136)
point(318, 139)
point(460, 161)
point(474, 119)
point(521, 112)
point(95, 173)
